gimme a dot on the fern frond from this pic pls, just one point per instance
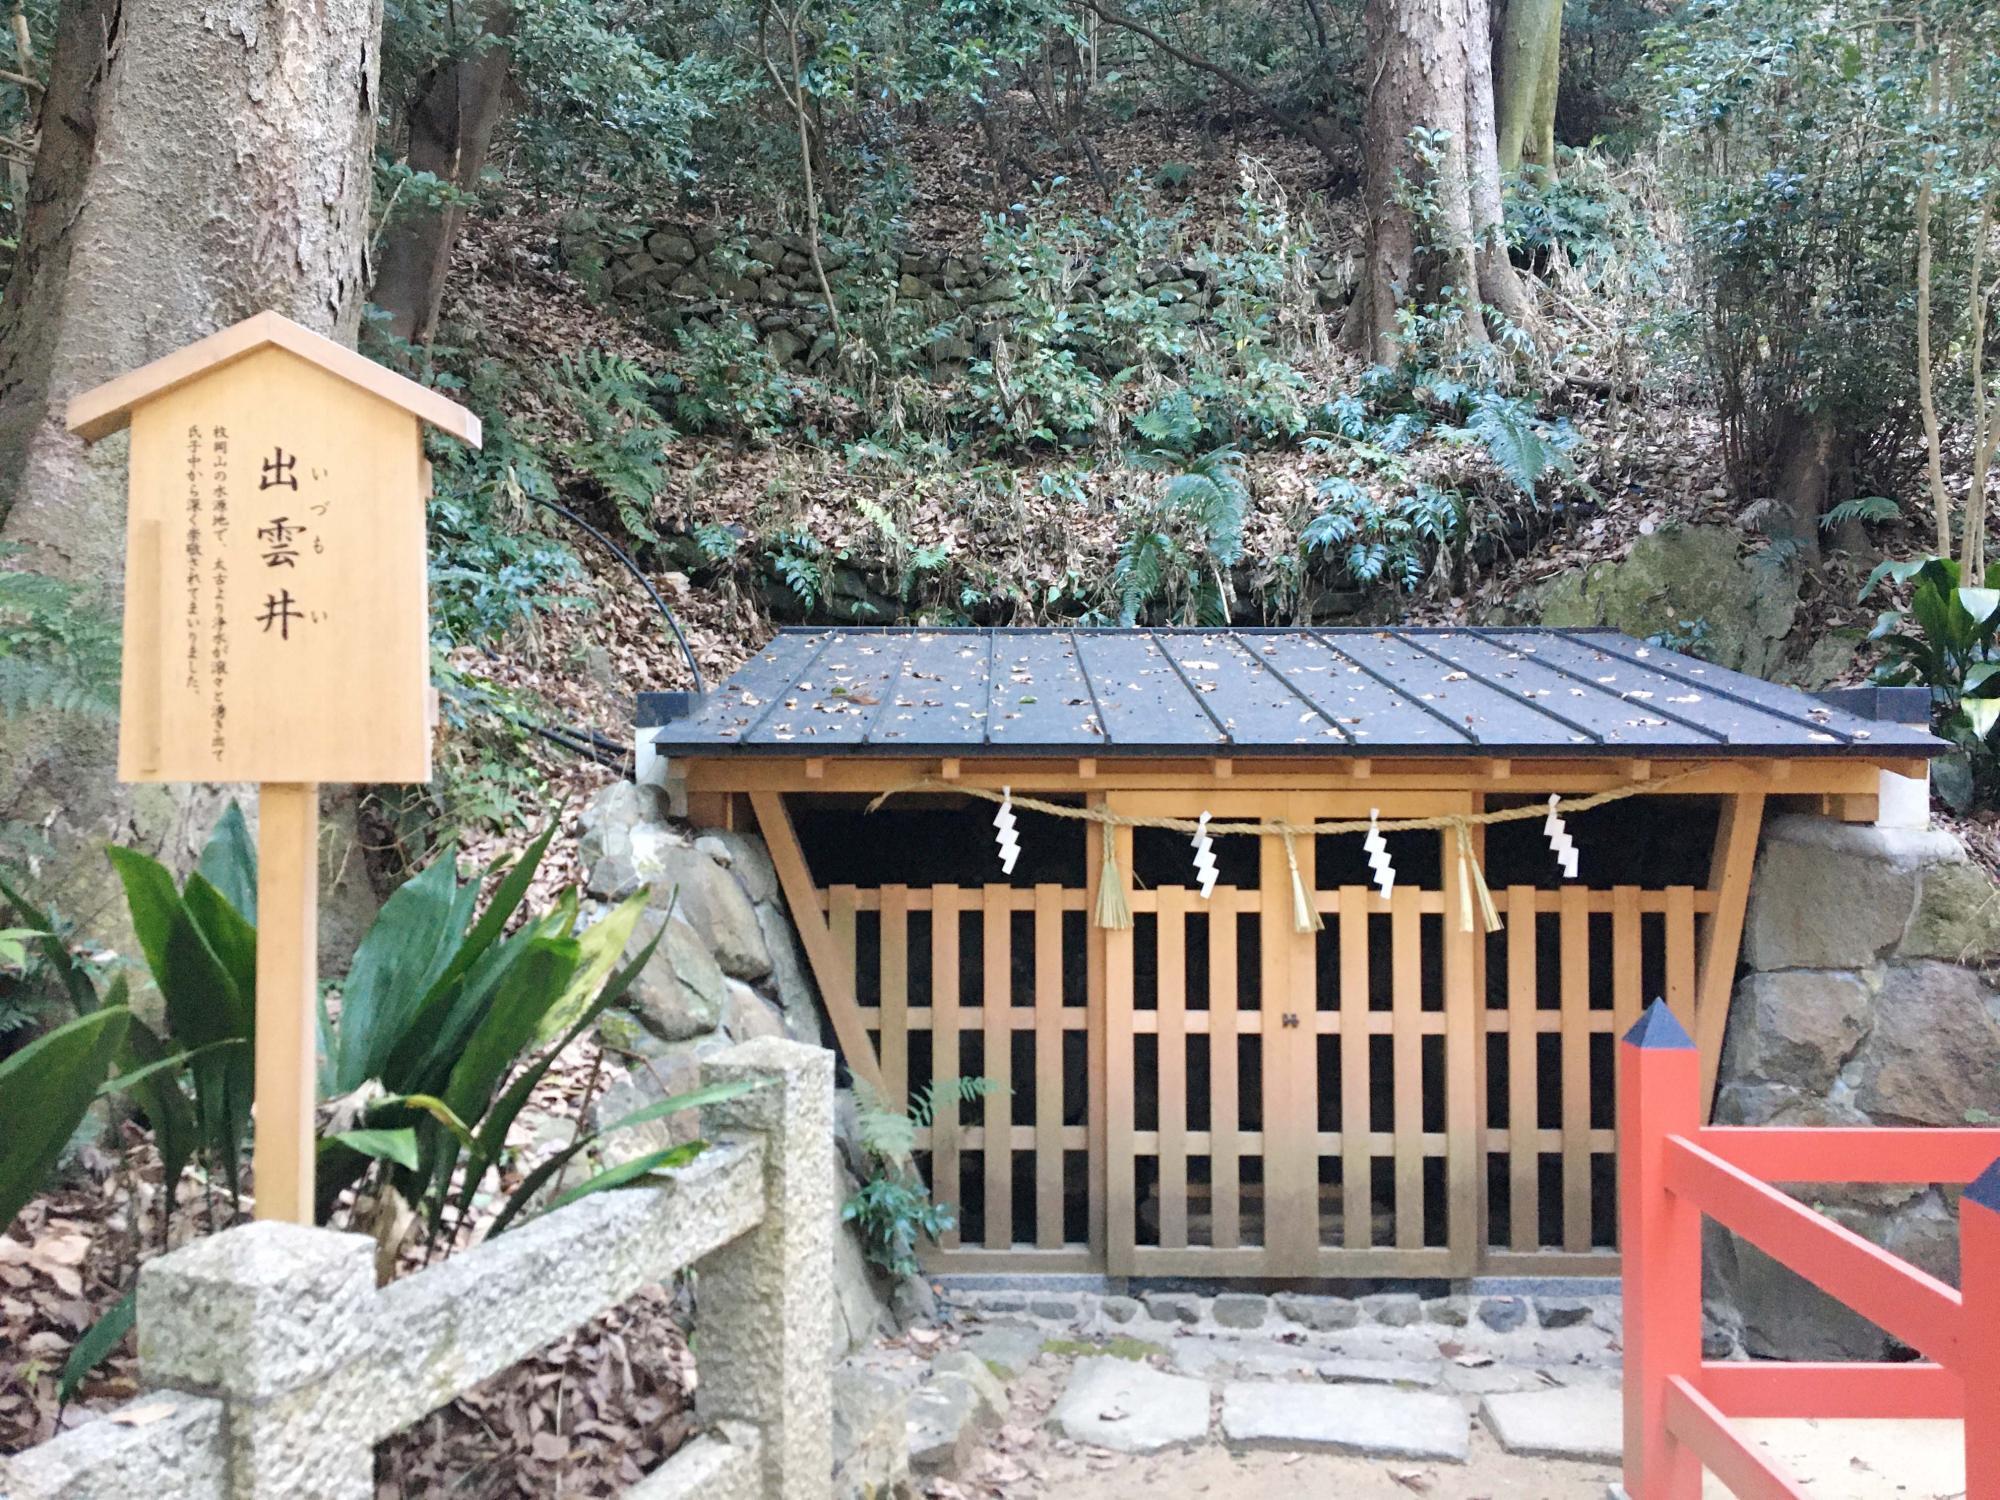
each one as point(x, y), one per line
point(58, 653)
point(1506, 427)
point(1876, 508)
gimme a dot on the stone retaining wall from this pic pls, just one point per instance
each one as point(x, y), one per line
point(692, 275)
point(728, 969)
point(1863, 1006)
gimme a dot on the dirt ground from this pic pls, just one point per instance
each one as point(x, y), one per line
point(1217, 1474)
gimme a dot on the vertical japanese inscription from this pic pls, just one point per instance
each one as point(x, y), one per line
point(194, 579)
point(218, 661)
point(279, 542)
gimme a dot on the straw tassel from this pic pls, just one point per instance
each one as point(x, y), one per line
point(1112, 912)
point(1305, 916)
point(1471, 881)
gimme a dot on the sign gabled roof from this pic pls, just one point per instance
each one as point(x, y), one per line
point(103, 411)
point(1443, 691)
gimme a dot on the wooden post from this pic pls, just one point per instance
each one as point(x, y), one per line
point(1979, 1353)
point(1730, 868)
point(1659, 1095)
point(287, 998)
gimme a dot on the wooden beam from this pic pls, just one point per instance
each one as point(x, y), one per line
point(1575, 777)
point(1222, 769)
point(1730, 867)
point(1851, 807)
point(834, 977)
point(948, 768)
point(1500, 770)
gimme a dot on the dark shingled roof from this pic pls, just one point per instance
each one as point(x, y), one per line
point(1444, 691)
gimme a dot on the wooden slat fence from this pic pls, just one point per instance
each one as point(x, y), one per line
point(1304, 1158)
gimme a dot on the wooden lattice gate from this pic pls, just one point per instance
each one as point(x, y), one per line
point(1214, 1093)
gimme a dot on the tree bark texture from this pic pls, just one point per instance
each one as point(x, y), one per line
point(1431, 226)
point(199, 163)
point(451, 131)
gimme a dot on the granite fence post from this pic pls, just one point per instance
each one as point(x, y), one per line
point(765, 1311)
point(265, 1317)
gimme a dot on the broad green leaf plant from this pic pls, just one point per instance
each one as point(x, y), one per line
point(1945, 640)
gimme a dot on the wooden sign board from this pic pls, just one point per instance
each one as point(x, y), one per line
point(276, 618)
point(276, 631)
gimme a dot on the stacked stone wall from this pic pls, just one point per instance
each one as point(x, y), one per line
point(694, 276)
point(1866, 1002)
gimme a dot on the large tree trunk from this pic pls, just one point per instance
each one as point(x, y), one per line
point(1432, 188)
point(199, 164)
point(451, 130)
point(1530, 70)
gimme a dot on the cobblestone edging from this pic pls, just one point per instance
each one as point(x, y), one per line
point(1105, 1313)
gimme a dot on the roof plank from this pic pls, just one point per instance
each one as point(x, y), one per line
point(1038, 694)
point(1254, 703)
point(939, 696)
point(1141, 695)
point(1613, 717)
point(1732, 720)
point(737, 708)
point(1492, 716)
point(1367, 709)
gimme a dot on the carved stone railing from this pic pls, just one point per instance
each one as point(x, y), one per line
point(275, 1364)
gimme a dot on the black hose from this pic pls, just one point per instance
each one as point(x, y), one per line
point(644, 582)
point(607, 753)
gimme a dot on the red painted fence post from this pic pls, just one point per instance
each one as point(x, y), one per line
point(1659, 1095)
point(1979, 1284)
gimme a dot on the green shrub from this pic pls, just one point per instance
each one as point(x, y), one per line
point(893, 1209)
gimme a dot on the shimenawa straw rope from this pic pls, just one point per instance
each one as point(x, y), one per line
point(1114, 912)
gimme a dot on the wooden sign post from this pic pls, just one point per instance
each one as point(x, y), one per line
point(277, 630)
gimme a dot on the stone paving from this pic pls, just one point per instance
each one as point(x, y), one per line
point(1392, 1377)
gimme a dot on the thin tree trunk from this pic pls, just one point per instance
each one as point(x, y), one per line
point(17, 166)
point(1926, 392)
point(1499, 284)
point(451, 131)
point(794, 95)
point(1530, 34)
point(1540, 147)
point(1972, 560)
point(192, 172)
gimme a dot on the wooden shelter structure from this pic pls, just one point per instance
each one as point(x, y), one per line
point(1292, 1076)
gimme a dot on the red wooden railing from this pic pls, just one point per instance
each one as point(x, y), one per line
point(1680, 1410)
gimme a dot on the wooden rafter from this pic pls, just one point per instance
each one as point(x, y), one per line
point(834, 974)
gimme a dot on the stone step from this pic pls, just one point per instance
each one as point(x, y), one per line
point(1580, 1422)
point(1131, 1408)
point(1371, 1421)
